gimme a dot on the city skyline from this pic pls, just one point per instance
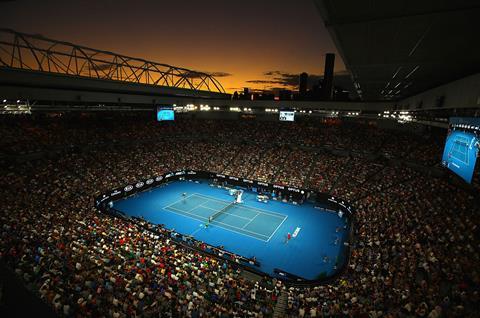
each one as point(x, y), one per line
point(263, 46)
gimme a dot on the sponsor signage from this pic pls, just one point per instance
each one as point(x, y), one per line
point(141, 185)
point(116, 192)
point(104, 199)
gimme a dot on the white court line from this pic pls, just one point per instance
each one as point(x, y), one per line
point(180, 200)
point(465, 161)
point(237, 207)
point(463, 140)
point(274, 214)
point(165, 208)
point(206, 207)
point(250, 220)
point(170, 206)
point(239, 228)
point(238, 216)
point(180, 212)
point(197, 217)
point(452, 150)
point(464, 157)
point(277, 228)
point(236, 227)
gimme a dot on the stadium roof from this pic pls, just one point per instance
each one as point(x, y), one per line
point(395, 49)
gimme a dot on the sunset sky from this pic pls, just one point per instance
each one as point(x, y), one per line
point(262, 44)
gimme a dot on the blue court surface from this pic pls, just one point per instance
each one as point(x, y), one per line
point(460, 154)
point(250, 228)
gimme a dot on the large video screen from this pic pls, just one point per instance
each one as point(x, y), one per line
point(287, 115)
point(165, 114)
point(462, 146)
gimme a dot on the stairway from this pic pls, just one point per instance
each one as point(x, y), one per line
point(281, 305)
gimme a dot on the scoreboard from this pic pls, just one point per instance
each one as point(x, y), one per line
point(287, 115)
point(165, 113)
point(462, 146)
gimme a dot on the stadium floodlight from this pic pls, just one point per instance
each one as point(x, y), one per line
point(4, 100)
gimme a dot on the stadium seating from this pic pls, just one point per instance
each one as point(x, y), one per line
point(415, 252)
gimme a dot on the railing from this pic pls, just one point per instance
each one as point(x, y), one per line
point(38, 53)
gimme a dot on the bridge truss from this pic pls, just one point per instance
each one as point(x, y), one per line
point(37, 53)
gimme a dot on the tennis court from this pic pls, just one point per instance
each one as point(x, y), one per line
point(250, 229)
point(249, 221)
point(459, 149)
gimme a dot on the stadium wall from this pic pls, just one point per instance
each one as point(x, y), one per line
point(462, 93)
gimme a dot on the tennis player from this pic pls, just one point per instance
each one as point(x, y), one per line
point(289, 237)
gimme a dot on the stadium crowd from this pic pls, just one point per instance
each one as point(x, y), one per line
point(416, 247)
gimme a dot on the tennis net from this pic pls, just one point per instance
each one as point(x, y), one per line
point(216, 214)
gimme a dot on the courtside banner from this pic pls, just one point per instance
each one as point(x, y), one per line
point(296, 194)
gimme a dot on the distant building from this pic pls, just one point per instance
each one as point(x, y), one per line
point(302, 87)
point(246, 94)
point(328, 76)
point(285, 94)
point(262, 96)
point(316, 92)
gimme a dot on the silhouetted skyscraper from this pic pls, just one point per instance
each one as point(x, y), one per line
point(285, 94)
point(302, 87)
point(328, 76)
